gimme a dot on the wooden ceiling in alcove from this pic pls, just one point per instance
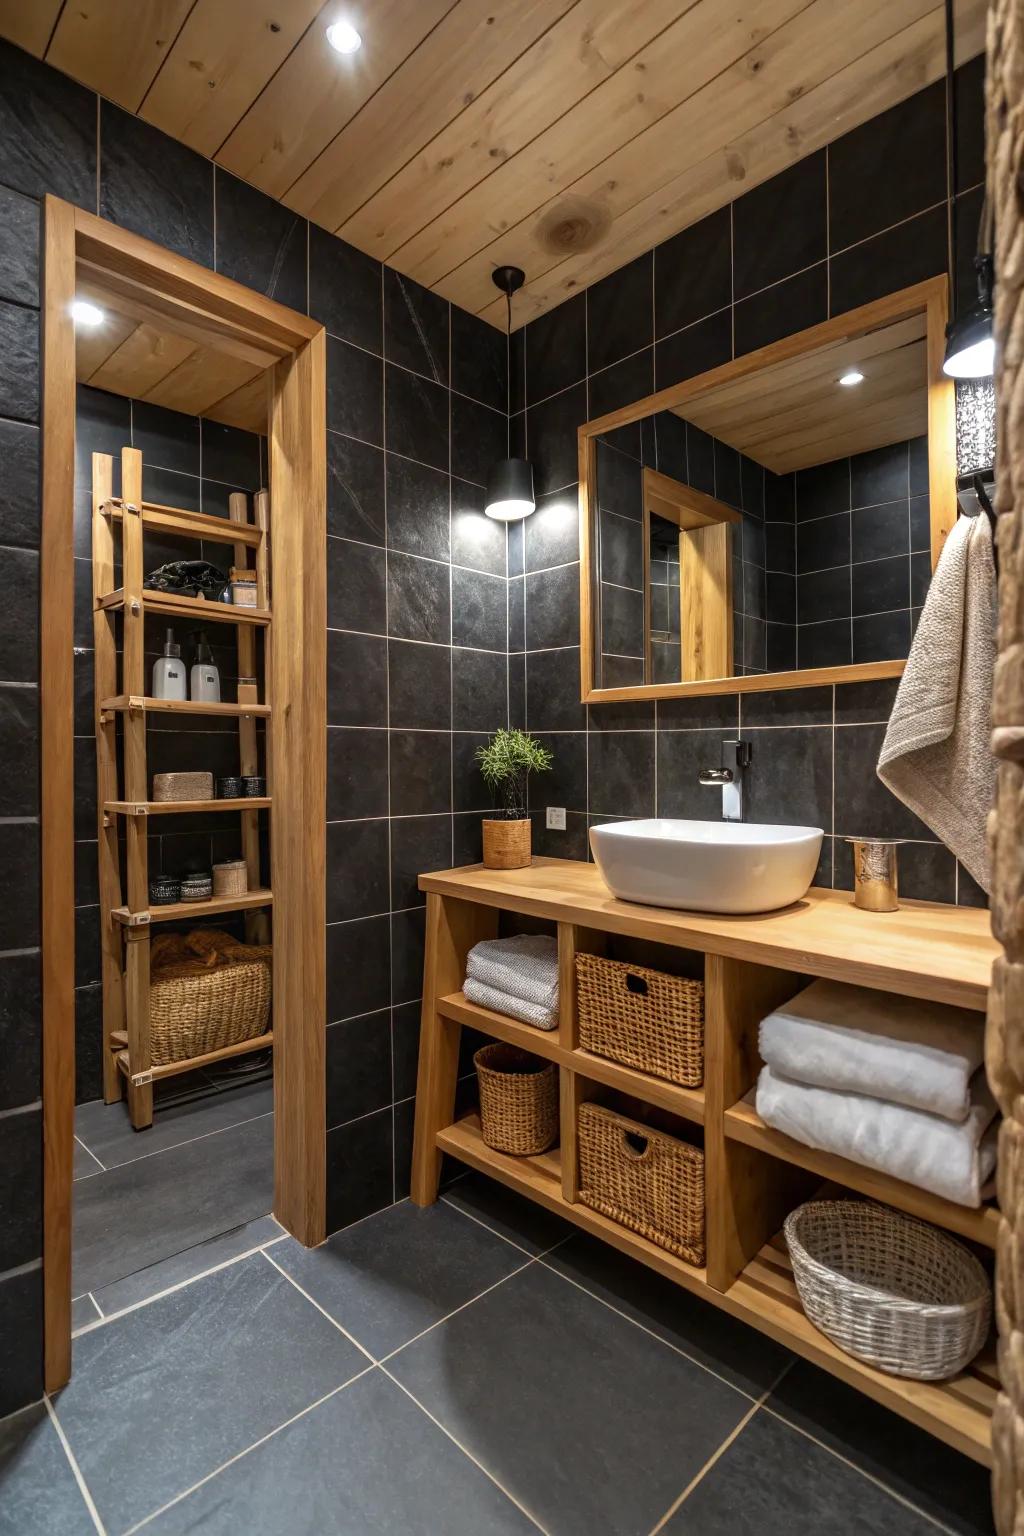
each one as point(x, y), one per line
point(796, 413)
point(564, 136)
point(134, 353)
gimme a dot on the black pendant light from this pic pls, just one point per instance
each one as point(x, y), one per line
point(510, 482)
point(970, 343)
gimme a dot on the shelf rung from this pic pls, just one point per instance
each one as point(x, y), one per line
point(182, 807)
point(177, 910)
point(175, 1068)
point(200, 525)
point(150, 706)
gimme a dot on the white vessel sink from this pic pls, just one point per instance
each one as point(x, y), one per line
point(706, 866)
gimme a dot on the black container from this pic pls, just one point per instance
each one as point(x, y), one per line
point(164, 890)
point(230, 789)
point(253, 786)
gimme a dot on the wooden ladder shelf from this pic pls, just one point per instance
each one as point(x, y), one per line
point(126, 917)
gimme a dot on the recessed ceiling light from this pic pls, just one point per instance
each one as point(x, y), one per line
point(86, 314)
point(343, 37)
point(853, 376)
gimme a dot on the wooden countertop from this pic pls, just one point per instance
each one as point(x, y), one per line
point(926, 949)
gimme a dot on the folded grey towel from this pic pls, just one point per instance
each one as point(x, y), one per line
point(524, 966)
point(502, 1002)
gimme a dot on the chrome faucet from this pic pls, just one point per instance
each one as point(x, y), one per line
point(736, 757)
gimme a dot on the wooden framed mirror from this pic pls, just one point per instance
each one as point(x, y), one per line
point(774, 522)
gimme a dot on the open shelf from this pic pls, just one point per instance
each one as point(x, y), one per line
point(194, 609)
point(175, 1068)
point(183, 807)
point(148, 706)
point(687, 1102)
point(176, 910)
point(743, 1123)
point(199, 525)
point(958, 1411)
point(540, 1179)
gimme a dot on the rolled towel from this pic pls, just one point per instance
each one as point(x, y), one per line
point(951, 1160)
point(858, 1040)
point(524, 966)
point(503, 1002)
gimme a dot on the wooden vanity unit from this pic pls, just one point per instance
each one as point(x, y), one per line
point(754, 1175)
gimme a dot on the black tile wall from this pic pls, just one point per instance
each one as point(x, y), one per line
point(833, 562)
point(417, 407)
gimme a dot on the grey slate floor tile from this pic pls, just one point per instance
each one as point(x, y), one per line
point(593, 1425)
point(949, 1487)
point(773, 1481)
point(386, 1279)
point(161, 1397)
point(181, 1267)
point(367, 1461)
point(508, 1214)
point(38, 1491)
point(745, 1358)
point(135, 1215)
point(106, 1130)
point(83, 1312)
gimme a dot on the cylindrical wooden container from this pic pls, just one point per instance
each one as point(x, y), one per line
point(506, 844)
point(518, 1099)
point(230, 878)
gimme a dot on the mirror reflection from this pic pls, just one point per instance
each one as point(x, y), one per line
point(777, 521)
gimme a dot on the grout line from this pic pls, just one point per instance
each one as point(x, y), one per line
point(138, 1526)
point(854, 1467)
point(102, 1166)
point(706, 1468)
point(83, 1486)
point(203, 1136)
point(469, 1215)
point(467, 1453)
point(676, 1348)
point(456, 1310)
point(203, 1274)
point(332, 1320)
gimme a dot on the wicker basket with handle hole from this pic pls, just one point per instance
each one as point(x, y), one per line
point(889, 1289)
point(642, 1018)
point(518, 1099)
point(644, 1179)
point(195, 1009)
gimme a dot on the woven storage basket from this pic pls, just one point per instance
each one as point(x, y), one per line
point(643, 1179)
point(518, 1099)
point(889, 1289)
point(643, 1018)
point(194, 1009)
point(183, 786)
point(231, 878)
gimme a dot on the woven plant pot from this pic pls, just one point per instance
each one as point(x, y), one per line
point(644, 1179)
point(506, 844)
point(518, 1099)
point(194, 1010)
point(641, 1017)
point(889, 1289)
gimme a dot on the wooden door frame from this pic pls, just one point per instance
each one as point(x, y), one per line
point(226, 315)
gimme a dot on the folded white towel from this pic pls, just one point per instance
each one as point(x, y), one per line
point(503, 1002)
point(524, 966)
point(954, 1161)
point(896, 1048)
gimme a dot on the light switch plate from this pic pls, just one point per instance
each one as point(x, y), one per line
point(556, 818)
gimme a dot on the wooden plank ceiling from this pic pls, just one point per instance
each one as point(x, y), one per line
point(565, 136)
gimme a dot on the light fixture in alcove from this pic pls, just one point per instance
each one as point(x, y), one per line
point(510, 483)
point(970, 344)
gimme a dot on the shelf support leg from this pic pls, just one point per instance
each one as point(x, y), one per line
point(453, 927)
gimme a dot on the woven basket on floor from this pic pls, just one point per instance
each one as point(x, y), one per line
point(641, 1017)
point(644, 1179)
point(889, 1289)
point(194, 1009)
point(518, 1099)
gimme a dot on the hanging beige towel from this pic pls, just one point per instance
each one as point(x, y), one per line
point(936, 755)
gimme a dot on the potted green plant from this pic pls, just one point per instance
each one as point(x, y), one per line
point(506, 764)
